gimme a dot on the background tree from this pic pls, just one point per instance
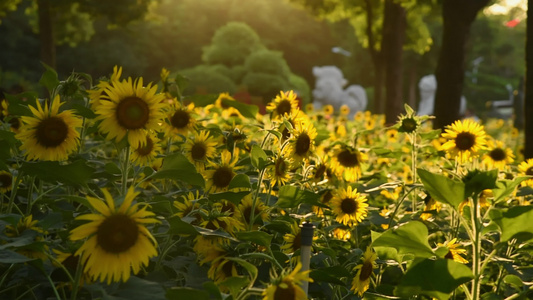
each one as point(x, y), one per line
point(458, 16)
point(528, 105)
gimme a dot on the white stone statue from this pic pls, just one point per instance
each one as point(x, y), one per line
point(329, 90)
point(428, 87)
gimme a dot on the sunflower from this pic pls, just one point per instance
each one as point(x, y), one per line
point(209, 247)
point(346, 161)
point(341, 233)
point(453, 251)
point(325, 198)
point(349, 206)
point(293, 239)
point(95, 95)
point(117, 238)
point(221, 269)
point(70, 262)
point(179, 119)
point(260, 211)
point(200, 149)
point(144, 155)
point(344, 110)
point(526, 169)
point(37, 249)
point(132, 110)
point(328, 109)
point(431, 206)
point(465, 139)
point(361, 281)
point(288, 286)
point(216, 219)
point(4, 112)
point(6, 181)
point(221, 97)
point(278, 173)
point(49, 134)
point(302, 143)
point(221, 175)
point(498, 156)
point(284, 104)
point(188, 207)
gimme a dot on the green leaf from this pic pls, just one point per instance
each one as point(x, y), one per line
point(240, 182)
point(10, 257)
point(476, 181)
point(177, 167)
point(177, 226)
point(137, 288)
point(84, 111)
point(233, 197)
point(78, 173)
point(235, 284)
point(330, 275)
point(247, 110)
point(505, 187)
point(410, 238)
point(258, 237)
point(514, 281)
point(252, 270)
point(18, 104)
point(291, 196)
point(443, 188)
point(258, 157)
point(49, 79)
point(202, 100)
point(186, 293)
point(445, 276)
point(514, 222)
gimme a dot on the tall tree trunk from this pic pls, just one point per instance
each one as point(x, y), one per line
point(376, 56)
point(528, 103)
point(394, 26)
point(458, 16)
point(46, 33)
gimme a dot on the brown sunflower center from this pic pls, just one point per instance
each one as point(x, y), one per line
point(529, 171)
point(180, 119)
point(348, 158)
point(326, 197)
point(117, 233)
point(14, 123)
point(465, 141)
point(284, 107)
point(222, 177)
point(497, 154)
point(303, 144)
point(297, 243)
point(409, 125)
point(285, 293)
point(198, 151)
point(147, 148)
point(227, 269)
point(349, 206)
point(247, 211)
point(6, 180)
point(132, 113)
point(280, 167)
point(449, 255)
point(51, 132)
point(366, 271)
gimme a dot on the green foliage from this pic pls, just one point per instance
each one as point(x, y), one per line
point(264, 85)
point(232, 44)
point(267, 62)
point(301, 87)
point(207, 79)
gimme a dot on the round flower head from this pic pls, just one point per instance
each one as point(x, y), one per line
point(144, 155)
point(349, 206)
point(117, 239)
point(49, 134)
point(179, 119)
point(95, 95)
point(284, 104)
point(361, 281)
point(526, 169)
point(220, 176)
point(6, 182)
point(260, 211)
point(346, 161)
point(288, 286)
point(278, 173)
point(498, 156)
point(453, 251)
point(465, 139)
point(200, 149)
point(131, 110)
point(302, 142)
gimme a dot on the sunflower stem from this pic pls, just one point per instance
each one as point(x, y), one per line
point(254, 200)
point(413, 168)
point(476, 246)
point(56, 293)
point(30, 193)
point(14, 188)
point(125, 169)
point(76, 281)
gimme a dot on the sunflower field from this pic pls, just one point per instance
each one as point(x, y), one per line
point(122, 189)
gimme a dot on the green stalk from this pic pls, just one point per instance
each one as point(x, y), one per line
point(413, 168)
point(30, 192)
point(476, 247)
point(254, 200)
point(76, 281)
point(125, 170)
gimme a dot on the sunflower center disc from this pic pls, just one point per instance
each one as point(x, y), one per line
point(117, 233)
point(222, 177)
point(366, 271)
point(180, 119)
point(281, 167)
point(409, 125)
point(497, 154)
point(198, 151)
point(348, 206)
point(529, 171)
point(284, 107)
point(51, 132)
point(227, 269)
point(287, 293)
point(147, 148)
point(348, 158)
point(132, 113)
point(303, 143)
point(5, 180)
point(465, 140)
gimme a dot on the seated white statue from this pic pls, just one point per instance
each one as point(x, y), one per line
point(329, 90)
point(428, 87)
